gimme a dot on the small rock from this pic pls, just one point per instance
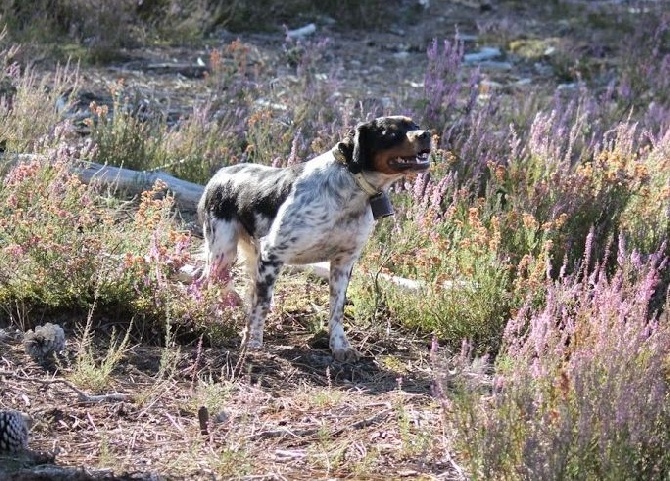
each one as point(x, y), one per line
point(43, 343)
point(543, 69)
point(549, 51)
point(491, 85)
point(522, 82)
point(568, 86)
point(485, 53)
point(220, 417)
point(493, 65)
point(466, 38)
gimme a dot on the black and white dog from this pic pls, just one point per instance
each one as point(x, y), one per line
point(320, 210)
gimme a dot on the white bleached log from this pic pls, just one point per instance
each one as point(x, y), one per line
point(187, 194)
point(322, 269)
point(301, 32)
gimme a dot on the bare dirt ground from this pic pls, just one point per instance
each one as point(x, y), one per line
point(289, 412)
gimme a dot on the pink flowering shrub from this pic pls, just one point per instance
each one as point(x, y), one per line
point(580, 388)
point(50, 231)
point(64, 246)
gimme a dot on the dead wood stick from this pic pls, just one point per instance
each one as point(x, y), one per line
point(280, 433)
point(285, 432)
point(81, 395)
point(98, 398)
point(362, 423)
point(187, 194)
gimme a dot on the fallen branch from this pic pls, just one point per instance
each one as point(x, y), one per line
point(302, 433)
point(98, 398)
point(186, 194)
point(322, 271)
point(301, 32)
point(189, 272)
point(81, 395)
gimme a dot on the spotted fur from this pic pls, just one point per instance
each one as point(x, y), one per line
point(311, 212)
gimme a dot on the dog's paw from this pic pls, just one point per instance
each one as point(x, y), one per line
point(346, 355)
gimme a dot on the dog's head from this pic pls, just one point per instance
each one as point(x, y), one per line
point(388, 145)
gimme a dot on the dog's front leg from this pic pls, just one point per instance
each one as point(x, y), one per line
point(340, 273)
point(261, 299)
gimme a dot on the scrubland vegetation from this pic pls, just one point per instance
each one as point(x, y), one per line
point(540, 238)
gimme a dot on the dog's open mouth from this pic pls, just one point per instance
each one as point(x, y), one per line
point(418, 162)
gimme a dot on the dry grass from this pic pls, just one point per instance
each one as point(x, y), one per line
point(285, 413)
point(125, 404)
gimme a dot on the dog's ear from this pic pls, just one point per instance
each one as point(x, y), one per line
point(346, 146)
point(360, 153)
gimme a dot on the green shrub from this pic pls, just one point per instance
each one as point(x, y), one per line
point(53, 231)
point(580, 388)
point(64, 246)
point(122, 138)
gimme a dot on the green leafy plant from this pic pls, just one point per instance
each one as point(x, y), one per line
point(88, 370)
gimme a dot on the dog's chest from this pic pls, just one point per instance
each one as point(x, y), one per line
point(323, 227)
point(329, 240)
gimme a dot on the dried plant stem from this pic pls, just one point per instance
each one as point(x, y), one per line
point(81, 395)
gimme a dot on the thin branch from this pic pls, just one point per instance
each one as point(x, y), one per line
point(81, 395)
point(280, 433)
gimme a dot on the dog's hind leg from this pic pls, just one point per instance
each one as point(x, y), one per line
point(248, 250)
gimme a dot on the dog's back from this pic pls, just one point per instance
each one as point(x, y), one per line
point(248, 193)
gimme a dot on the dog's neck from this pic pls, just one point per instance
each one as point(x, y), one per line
point(379, 201)
point(362, 182)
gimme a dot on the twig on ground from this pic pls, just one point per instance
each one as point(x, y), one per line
point(285, 432)
point(96, 398)
point(362, 423)
point(280, 433)
point(455, 466)
point(81, 395)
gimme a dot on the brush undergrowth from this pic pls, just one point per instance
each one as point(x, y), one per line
point(580, 386)
point(104, 28)
point(509, 238)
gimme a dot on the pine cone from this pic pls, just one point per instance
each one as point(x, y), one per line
point(13, 431)
point(46, 341)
